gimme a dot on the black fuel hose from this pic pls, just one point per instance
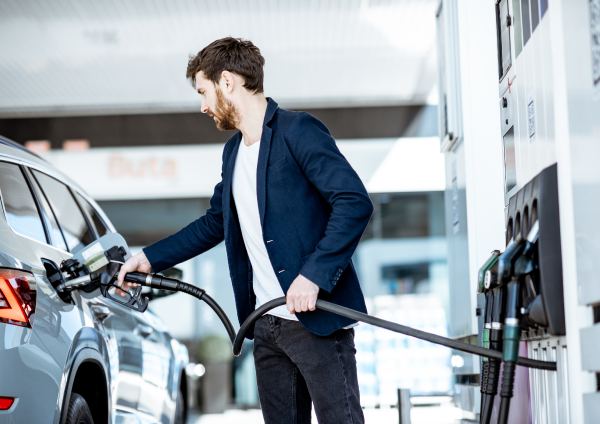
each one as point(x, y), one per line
point(392, 326)
point(171, 284)
point(221, 314)
point(160, 282)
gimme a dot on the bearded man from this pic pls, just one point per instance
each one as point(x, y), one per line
point(291, 211)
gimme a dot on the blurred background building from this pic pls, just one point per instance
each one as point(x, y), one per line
point(98, 88)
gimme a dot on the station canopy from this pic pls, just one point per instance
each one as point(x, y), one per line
point(69, 57)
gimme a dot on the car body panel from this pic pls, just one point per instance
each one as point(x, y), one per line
point(142, 363)
point(20, 366)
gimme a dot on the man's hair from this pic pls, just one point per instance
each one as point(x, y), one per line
point(235, 55)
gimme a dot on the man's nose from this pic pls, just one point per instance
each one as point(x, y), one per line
point(204, 108)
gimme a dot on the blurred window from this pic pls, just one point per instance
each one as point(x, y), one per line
point(56, 235)
point(402, 215)
point(406, 278)
point(70, 218)
point(142, 221)
point(406, 216)
point(21, 210)
point(95, 219)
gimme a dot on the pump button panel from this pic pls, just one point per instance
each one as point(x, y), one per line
point(507, 111)
point(536, 205)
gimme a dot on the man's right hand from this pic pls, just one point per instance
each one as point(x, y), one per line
point(139, 263)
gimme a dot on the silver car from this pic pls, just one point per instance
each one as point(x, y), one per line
point(83, 359)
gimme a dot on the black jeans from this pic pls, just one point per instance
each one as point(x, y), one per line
point(295, 367)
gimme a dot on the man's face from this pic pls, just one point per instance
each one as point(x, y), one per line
point(216, 105)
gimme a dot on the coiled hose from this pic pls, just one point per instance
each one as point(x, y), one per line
point(490, 388)
point(171, 284)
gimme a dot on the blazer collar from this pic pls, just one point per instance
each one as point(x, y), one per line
point(271, 109)
point(261, 169)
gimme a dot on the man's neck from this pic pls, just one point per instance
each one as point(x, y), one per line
point(252, 116)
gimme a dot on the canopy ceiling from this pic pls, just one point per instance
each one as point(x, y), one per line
point(68, 57)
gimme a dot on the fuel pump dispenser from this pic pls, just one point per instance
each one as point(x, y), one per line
point(523, 292)
point(535, 299)
point(489, 367)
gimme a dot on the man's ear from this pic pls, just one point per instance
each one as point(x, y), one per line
point(227, 82)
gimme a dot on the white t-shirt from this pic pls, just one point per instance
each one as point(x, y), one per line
point(266, 285)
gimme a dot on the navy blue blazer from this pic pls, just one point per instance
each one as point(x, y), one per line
point(313, 210)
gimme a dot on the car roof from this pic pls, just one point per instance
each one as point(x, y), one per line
point(13, 150)
point(9, 142)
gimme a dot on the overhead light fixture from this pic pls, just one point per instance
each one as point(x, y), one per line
point(38, 146)
point(76, 144)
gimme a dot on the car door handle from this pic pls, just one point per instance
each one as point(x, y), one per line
point(101, 312)
point(143, 330)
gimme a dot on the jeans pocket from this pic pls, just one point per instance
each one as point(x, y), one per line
point(350, 334)
point(350, 338)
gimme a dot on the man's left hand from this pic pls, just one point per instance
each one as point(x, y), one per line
point(302, 295)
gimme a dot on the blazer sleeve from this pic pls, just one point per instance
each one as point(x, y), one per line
point(328, 170)
point(197, 237)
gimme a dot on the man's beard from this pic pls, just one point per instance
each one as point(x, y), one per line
point(226, 113)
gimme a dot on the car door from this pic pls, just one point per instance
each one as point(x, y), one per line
point(146, 346)
point(124, 345)
point(157, 368)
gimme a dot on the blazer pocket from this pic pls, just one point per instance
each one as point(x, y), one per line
point(277, 164)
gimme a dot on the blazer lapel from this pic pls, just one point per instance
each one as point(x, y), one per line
point(261, 171)
point(228, 179)
point(263, 159)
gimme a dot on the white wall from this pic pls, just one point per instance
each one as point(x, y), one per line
point(386, 165)
point(481, 129)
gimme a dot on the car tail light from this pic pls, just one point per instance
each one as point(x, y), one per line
point(6, 403)
point(17, 297)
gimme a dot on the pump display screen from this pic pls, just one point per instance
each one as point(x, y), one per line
point(510, 162)
point(504, 58)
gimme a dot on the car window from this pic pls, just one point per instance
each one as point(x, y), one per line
point(56, 235)
point(19, 206)
point(93, 215)
point(70, 218)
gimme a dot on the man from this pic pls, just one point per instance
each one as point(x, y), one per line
point(291, 211)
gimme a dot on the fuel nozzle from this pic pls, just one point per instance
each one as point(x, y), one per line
point(482, 276)
point(517, 262)
point(489, 367)
point(506, 262)
point(484, 287)
point(533, 313)
point(78, 276)
point(526, 263)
